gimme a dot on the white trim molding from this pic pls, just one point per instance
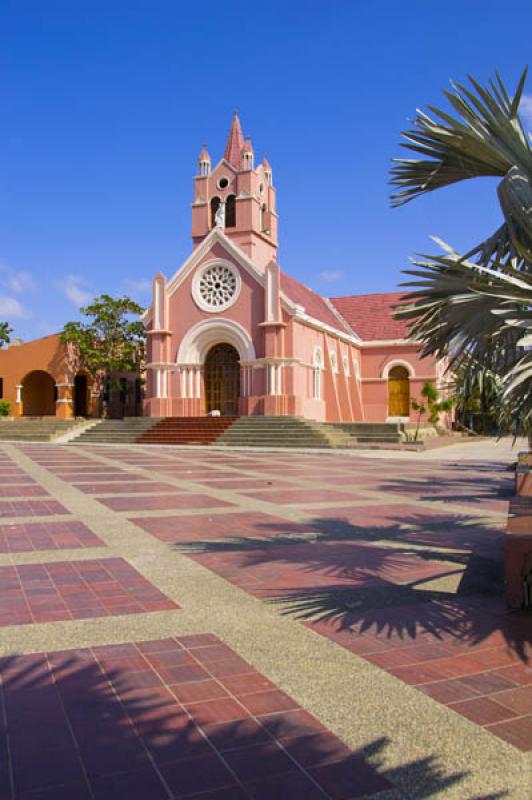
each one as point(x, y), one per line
point(398, 362)
point(205, 334)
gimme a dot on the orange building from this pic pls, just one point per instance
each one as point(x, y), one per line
point(42, 378)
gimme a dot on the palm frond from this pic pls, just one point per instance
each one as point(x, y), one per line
point(467, 313)
point(487, 138)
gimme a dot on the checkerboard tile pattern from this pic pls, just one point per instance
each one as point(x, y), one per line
point(34, 593)
point(194, 527)
point(175, 718)
point(162, 502)
point(30, 508)
point(31, 536)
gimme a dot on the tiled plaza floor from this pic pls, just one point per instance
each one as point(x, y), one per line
point(229, 625)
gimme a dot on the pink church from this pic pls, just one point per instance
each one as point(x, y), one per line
point(231, 332)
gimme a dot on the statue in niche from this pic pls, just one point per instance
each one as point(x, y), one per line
point(219, 217)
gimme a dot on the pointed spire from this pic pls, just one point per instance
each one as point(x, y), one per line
point(235, 141)
point(204, 155)
point(248, 147)
point(266, 164)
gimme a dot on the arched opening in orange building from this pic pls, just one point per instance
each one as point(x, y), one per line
point(398, 392)
point(81, 395)
point(39, 394)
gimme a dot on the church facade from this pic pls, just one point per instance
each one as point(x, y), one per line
point(230, 332)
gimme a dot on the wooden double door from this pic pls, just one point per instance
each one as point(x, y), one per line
point(222, 380)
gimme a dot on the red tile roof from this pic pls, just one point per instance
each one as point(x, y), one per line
point(371, 315)
point(235, 142)
point(314, 305)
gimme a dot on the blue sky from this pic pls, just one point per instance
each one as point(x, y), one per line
point(105, 104)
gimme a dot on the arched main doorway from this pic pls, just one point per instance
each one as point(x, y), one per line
point(81, 395)
point(398, 392)
point(39, 394)
point(222, 379)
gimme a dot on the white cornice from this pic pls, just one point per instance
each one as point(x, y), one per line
point(388, 342)
point(300, 316)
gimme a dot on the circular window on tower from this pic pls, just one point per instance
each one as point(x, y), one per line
point(223, 183)
point(216, 286)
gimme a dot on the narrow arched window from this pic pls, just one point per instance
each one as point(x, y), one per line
point(263, 217)
point(230, 211)
point(316, 373)
point(345, 360)
point(215, 204)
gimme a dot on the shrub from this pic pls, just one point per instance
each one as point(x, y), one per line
point(5, 407)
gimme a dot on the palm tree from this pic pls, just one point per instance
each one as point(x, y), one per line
point(5, 332)
point(475, 309)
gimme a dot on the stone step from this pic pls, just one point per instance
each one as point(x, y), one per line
point(187, 430)
point(34, 435)
point(113, 431)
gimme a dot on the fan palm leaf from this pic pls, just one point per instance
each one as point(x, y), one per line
point(487, 138)
point(475, 309)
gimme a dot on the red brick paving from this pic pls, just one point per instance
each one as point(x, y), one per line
point(464, 651)
point(188, 528)
point(467, 652)
point(126, 487)
point(281, 569)
point(33, 593)
point(29, 536)
point(30, 508)
point(23, 491)
point(113, 722)
point(162, 502)
point(301, 496)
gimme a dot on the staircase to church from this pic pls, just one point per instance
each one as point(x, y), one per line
point(187, 430)
point(274, 432)
point(116, 431)
point(254, 431)
point(307, 433)
point(363, 434)
point(40, 429)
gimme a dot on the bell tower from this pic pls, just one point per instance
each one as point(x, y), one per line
point(237, 197)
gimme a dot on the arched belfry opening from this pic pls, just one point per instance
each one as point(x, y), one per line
point(230, 211)
point(215, 205)
point(222, 379)
point(398, 392)
point(39, 394)
point(81, 395)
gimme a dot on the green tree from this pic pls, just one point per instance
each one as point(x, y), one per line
point(5, 332)
point(431, 404)
point(112, 341)
point(478, 399)
point(475, 308)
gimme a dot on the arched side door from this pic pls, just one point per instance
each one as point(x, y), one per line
point(398, 392)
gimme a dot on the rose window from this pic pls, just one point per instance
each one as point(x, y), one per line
point(217, 286)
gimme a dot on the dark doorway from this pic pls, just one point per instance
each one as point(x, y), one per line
point(222, 379)
point(39, 394)
point(81, 392)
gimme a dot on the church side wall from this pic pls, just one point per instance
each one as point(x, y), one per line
point(340, 399)
point(375, 362)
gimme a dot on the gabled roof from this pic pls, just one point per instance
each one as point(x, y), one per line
point(372, 315)
point(314, 305)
